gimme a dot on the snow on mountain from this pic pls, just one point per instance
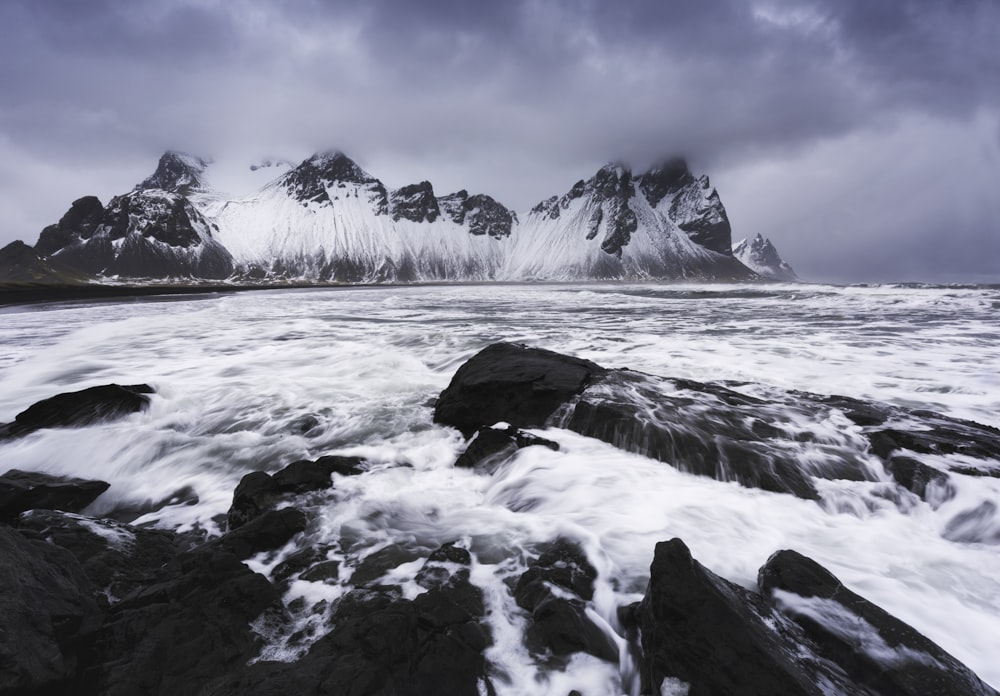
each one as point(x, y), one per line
point(154, 231)
point(663, 224)
point(760, 256)
point(329, 219)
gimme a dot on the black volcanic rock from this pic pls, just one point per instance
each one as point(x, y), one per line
point(719, 638)
point(876, 649)
point(559, 625)
point(176, 172)
point(705, 428)
point(415, 202)
point(308, 182)
point(611, 188)
point(510, 383)
point(75, 409)
point(268, 531)
point(47, 613)
point(184, 631)
point(490, 445)
point(29, 490)
point(117, 558)
point(382, 644)
point(258, 491)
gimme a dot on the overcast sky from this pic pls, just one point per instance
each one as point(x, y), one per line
point(861, 136)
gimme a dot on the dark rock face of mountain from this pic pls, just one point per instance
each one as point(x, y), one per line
point(308, 182)
point(148, 233)
point(485, 216)
point(81, 220)
point(415, 202)
point(176, 172)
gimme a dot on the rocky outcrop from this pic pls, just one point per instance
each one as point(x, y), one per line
point(148, 233)
point(30, 490)
point(19, 263)
point(176, 172)
point(415, 202)
point(76, 409)
point(709, 429)
point(490, 446)
point(311, 181)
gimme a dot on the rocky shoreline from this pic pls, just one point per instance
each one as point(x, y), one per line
point(100, 606)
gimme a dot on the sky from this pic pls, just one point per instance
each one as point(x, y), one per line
point(861, 137)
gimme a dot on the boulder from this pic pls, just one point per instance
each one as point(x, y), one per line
point(258, 491)
point(30, 490)
point(269, 531)
point(876, 649)
point(514, 384)
point(718, 638)
point(74, 409)
point(47, 613)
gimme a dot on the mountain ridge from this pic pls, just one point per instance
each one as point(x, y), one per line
point(328, 219)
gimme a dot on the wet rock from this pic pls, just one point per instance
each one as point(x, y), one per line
point(979, 525)
point(699, 428)
point(490, 446)
point(377, 564)
point(30, 490)
point(381, 644)
point(554, 591)
point(876, 649)
point(47, 613)
point(513, 384)
point(258, 491)
point(271, 530)
point(116, 558)
point(185, 631)
point(299, 561)
point(324, 571)
point(719, 638)
point(928, 483)
point(448, 569)
point(75, 409)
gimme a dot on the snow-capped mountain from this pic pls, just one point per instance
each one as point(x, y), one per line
point(762, 258)
point(329, 219)
point(664, 223)
point(154, 231)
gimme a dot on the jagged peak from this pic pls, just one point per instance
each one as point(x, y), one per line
point(617, 169)
point(177, 172)
point(334, 165)
point(666, 177)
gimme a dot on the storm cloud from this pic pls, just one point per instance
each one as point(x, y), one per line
point(862, 137)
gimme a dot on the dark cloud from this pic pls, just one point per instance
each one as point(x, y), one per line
point(516, 98)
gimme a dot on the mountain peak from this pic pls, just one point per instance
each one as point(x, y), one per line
point(177, 172)
point(665, 178)
point(308, 182)
point(760, 256)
